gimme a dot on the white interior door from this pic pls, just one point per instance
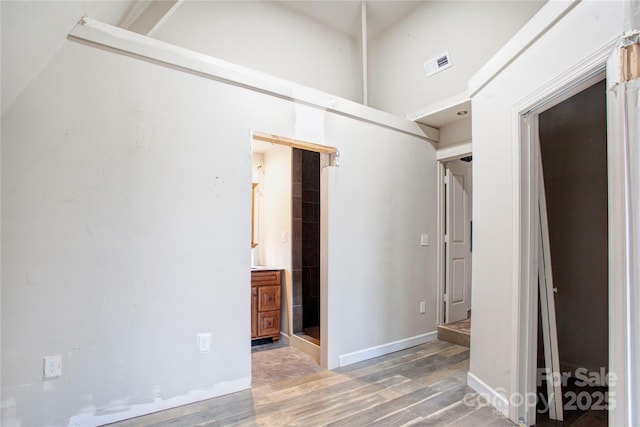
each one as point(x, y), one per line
point(547, 303)
point(457, 241)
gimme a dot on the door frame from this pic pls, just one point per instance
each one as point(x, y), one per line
point(328, 158)
point(443, 156)
point(523, 361)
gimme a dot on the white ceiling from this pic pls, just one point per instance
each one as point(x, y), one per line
point(32, 31)
point(344, 15)
point(447, 116)
point(447, 111)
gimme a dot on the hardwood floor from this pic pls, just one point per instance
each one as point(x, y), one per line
point(424, 385)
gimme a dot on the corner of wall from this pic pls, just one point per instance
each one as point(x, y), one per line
point(489, 396)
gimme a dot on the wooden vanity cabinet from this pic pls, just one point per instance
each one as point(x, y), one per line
point(265, 304)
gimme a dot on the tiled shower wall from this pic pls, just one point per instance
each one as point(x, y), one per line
point(306, 239)
point(310, 239)
point(296, 238)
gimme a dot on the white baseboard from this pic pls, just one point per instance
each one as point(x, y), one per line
point(489, 394)
point(381, 350)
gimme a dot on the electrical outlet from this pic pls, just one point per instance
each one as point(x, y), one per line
point(423, 307)
point(424, 240)
point(52, 366)
point(204, 342)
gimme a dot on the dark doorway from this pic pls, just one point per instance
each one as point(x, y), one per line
point(573, 143)
point(306, 244)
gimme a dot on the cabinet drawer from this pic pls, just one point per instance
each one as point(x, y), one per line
point(265, 277)
point(269, 323)
point(268, 298)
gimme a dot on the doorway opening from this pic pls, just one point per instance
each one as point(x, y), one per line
point(288, 183)
point(573, 148)
point(579, 173)
point(305, 238)
point(456, 212)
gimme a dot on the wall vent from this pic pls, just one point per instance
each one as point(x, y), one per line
point(437, 64)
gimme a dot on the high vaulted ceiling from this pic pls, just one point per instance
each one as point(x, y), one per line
point(32, 31)
point(345, 16)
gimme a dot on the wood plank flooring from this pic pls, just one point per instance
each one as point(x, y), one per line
point(424, 385)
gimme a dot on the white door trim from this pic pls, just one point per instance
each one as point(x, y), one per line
point(525, 191)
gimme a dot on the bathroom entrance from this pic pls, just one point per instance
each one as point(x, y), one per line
point(305, 236)
point(290, 223)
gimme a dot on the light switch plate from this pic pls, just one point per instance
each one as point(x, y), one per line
point(424, 240)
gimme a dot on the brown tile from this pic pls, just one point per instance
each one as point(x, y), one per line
point(296, 286)
point(296, 232)
point(296, 165)
point(311, 196)
point(314, 281)
point(311, 312)
point(311, 171)
point(307, 212)
point(297, 319)
point(297, 208)
point(296, 189)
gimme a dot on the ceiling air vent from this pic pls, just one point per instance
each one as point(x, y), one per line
point(437, 64)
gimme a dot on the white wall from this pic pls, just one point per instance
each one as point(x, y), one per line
point(276, 215)
point(455, 133)
point(271, 38)
point(381, 198)
point(275, 218)
point(472, 31)
point(257, 165)
point(126, 229)
point(588, 27)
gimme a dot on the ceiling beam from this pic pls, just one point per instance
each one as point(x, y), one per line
point(104, 35)
point(136, 8)
point(148, 16)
